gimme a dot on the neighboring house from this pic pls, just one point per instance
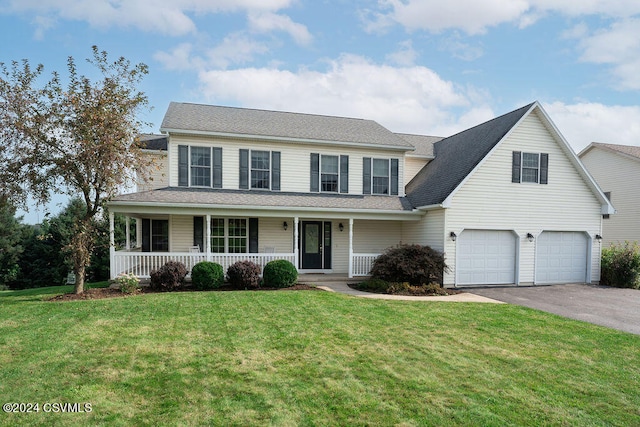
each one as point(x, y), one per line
point(507, 201)
point(616, 169)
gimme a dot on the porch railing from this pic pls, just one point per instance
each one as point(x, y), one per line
point(362, 263)
point(143, 263)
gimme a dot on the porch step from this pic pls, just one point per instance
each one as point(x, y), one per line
point(311, 279)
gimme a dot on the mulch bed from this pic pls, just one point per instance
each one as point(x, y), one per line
point(417, 291)
point(101, 293)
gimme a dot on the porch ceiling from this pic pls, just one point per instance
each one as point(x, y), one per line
point(189, 201)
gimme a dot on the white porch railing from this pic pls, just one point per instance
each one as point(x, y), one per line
point(362, 263)
point(143, 263)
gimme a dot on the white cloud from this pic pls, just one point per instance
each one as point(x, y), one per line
point(583, 123)
point(268, 21)
point(404, 56)
point(475, 17)
point(406, 99)
point(164, 16)
point(618, 46)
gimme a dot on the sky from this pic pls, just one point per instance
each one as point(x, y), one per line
point(415, 66)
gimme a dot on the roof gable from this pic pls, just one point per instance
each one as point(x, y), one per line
point(628, 151)
point(277, 125)
point(457, 156)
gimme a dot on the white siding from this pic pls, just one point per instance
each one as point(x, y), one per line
point(271, 235)
point(158, 173)
point(375, 236)
point(412, 166)
point(618, 175)
point(180, 233)
point(295, 161)
point(429, 230)
point(489, 200)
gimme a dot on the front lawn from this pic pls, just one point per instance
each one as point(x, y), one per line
point(309, 358)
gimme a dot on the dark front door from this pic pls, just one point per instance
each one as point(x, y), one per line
point(311, 244)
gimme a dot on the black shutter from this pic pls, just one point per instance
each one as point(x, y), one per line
point(244, 169)
point(253, 235)
point(544, 168)
point(183, 165)
point(275, 170)
point(198, 232)
point(146, 235)
point(515, 166)
point(394, 177)
point(315, 173)
point(217, 167)
point(366, 175)
point(344, 174)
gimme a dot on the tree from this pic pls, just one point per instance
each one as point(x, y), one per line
point(79, 139)
point(11, 234)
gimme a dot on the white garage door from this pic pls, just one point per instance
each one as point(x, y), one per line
point(486, 257)
point(561, 257)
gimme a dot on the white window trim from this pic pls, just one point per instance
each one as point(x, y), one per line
point(210, 166)
point(388, 159)
point(226, 236)
point(320, 174)
point(522, 168)
point(269, 170)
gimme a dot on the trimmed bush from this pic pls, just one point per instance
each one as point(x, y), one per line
point(414, 264)
point(373, 285)
point(207, 275)
point(621, 266)
point(244, 274)
point(168, 277)
point(279, 273)
point(128, 283)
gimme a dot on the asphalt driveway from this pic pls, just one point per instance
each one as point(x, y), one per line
point(601, 305)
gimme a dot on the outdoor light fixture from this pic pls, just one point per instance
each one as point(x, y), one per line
point(530, 237)
point(453, 236)
point(598, 237)
point(285, 225)
point(341, 227)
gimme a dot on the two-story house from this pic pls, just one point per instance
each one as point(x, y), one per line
point(507, 201)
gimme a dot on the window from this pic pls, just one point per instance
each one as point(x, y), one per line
point(259, 170)
point(199, 166)
point(530, 167)
point(329, 172)
point(155, 235)
point(229, 235)
point(380, 176)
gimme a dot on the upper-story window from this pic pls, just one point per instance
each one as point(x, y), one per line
point(380, 176)
point(329, 173)
point(530, 167)
point(199, 166)
point(259, 170)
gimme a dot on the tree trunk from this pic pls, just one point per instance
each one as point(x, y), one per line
point(79, 287)
point(80, 249)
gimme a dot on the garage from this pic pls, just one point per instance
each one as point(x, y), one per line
point(561, 257)
point(486, 257)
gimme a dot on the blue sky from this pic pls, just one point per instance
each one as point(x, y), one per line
point(418, 66)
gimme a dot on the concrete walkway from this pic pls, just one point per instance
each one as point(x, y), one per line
point(343, 288)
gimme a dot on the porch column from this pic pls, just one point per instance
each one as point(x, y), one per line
point(350, 248)
point(127, 221)
point(138, 233)
point(207, 243)
point(112, 248)
point(295, 243)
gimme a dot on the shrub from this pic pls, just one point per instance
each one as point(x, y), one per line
point(244, 274)
point(128, 283)
point(207, 275)
point(414, 264)
point(280, 273)
point(621, 266)
point(168, 277)
point(373, 285)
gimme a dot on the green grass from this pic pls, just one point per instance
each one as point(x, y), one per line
point(292, 358)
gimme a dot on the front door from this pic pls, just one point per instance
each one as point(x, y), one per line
point(311, 245)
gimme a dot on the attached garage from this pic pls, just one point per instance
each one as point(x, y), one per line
point(486, 257)
point(561, 257)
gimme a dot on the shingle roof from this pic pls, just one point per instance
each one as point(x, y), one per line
point(276, 124)
point(209, 197)
point(154, 142)
point(456, 157)
point(629, 150)
point(423, 144)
